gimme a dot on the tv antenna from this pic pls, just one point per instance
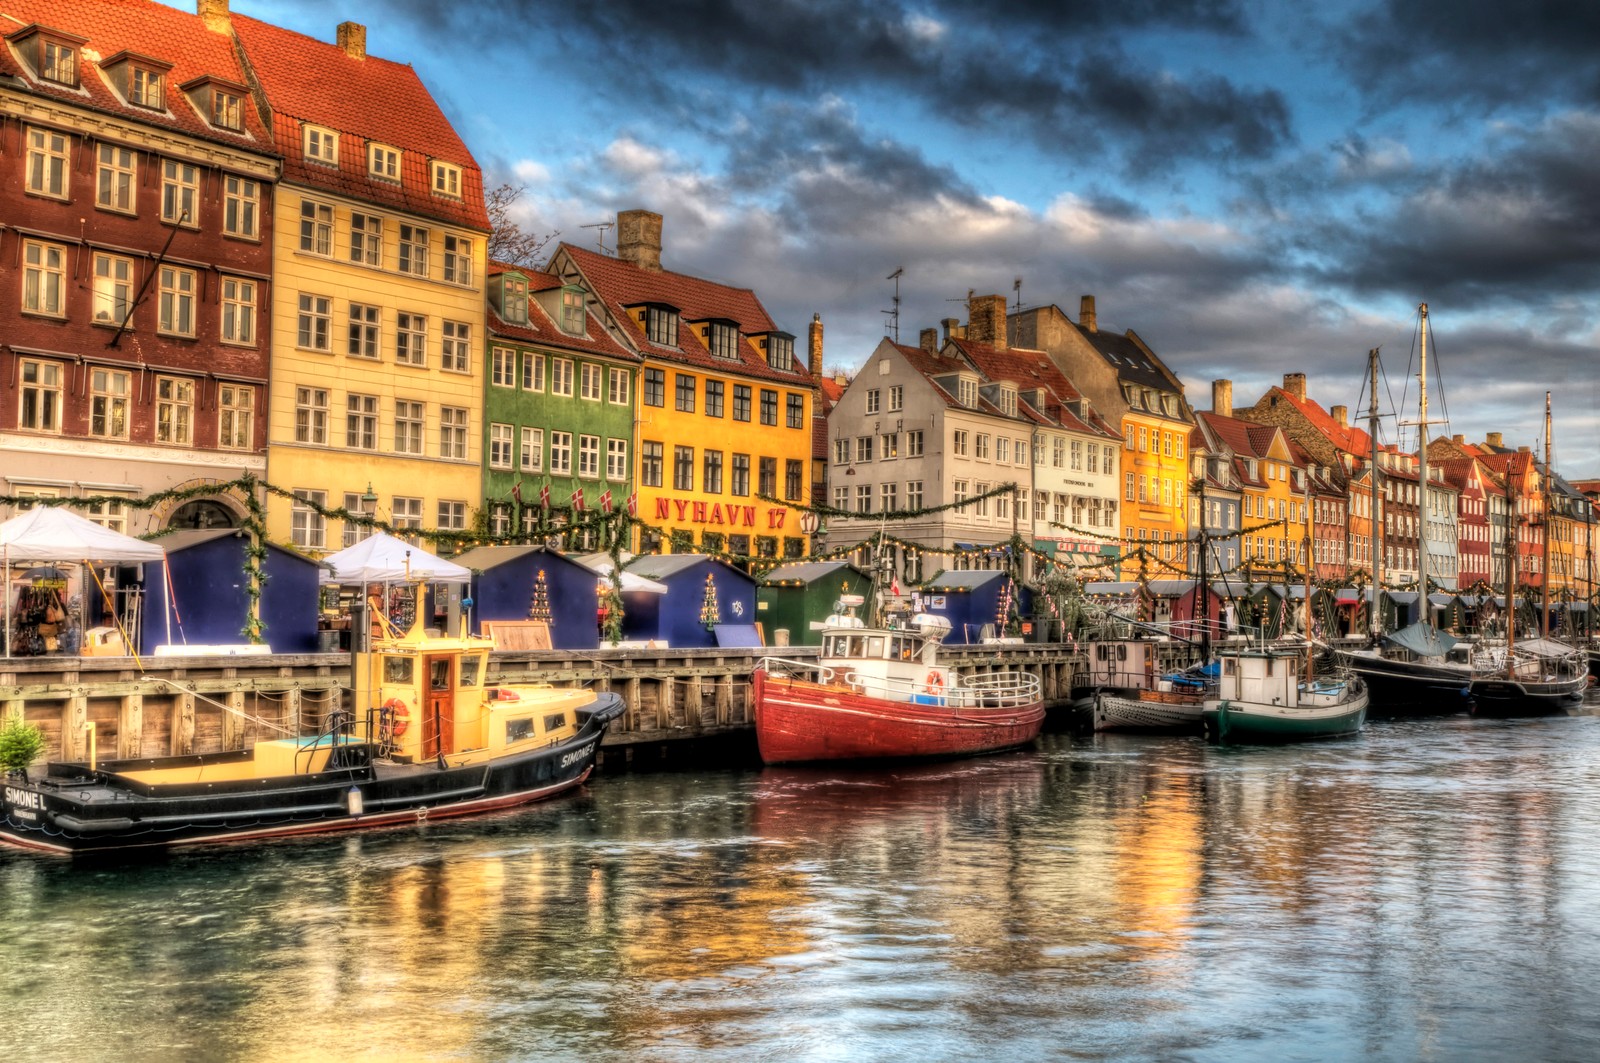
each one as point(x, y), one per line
point(1016, 286)
point(603, 226)
point(894, 314)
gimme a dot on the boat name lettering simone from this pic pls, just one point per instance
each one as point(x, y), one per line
point(22, 798)
point(577, 755)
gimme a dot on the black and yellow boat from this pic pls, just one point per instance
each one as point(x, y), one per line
point(429, 740)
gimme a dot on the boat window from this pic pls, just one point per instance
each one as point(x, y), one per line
point(439, 674)
point(855, 646)
point(1270, 661)
point(1227, 665)
point(905, 649)
point(398, 670)
point(875, 647)
point(555, 721)
point(832, 649)
point(519, 728)
point(472, 670)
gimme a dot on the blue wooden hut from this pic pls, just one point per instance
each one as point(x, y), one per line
point(970, 600)
point(681, 619)
point(210, 603)
point(506, 580)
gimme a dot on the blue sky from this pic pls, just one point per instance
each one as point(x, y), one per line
point(1254, 188)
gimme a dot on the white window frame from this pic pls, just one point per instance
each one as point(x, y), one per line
point(502, 444)
point(238, 311)
point(361, 421)
point(561, 377)
point(457, 266)
point(453, 424)
point(314, 322)
point(174, 411)
point(111, 288)
point(412, 257)
point(320, 144)
point(410, 426)
point(560, 453)
point(617, 460)
point(49, 162)
point(180, 193)
point(241, 207)
point(383, 162)
point(364, 331)
point(366, 239)
point(109, 393)
point(591, 378)
point(40, 389)
point(531, 453)
point(236, 416)
point(445, 179)
point(311, 415)
point(44, 278)
point(308, 528)
point(410, 339)
point(177, 300)
point(116, 182)
point(455, 346)
point(618, 393)
point(316, 228)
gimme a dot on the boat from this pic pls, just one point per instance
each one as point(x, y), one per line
point(1415, 670)
point(1130, 695)
point(1262, 696)
point(883, 693)
point(431, 739)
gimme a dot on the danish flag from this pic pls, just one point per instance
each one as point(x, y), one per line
point(633, 504)
point(544, 497)
point(605, 502)
point(577, 500)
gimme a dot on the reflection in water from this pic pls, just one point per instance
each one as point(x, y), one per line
point(1425, 891)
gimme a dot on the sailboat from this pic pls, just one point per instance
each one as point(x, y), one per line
point(1539, 676)
point(1418, 669)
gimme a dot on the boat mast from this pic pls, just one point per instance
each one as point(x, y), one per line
point(1511, 576)
point(1549, 479)
point(1202, 588)
point(1422, 448)
point(1375, 540)
point(1305, 512)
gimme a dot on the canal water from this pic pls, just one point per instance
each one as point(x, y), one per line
point(1429, 890)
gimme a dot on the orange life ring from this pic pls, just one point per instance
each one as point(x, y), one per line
point(399, 715)
point(934, 683)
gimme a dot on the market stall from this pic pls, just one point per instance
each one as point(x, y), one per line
point(532, 583)
point(386, 571)
point(208, 602)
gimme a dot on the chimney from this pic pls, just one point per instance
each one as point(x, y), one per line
point(986, 320)
point(928, 340)
point(352, 37)
point(1341, 416)
point(952, 328)
point(1494, 439)
point(1222, 398)
point(1524, 450)
point(814, 350)
point(1295, 384)
point(1458, 439)
point(639, 239)
point(214, 13)
point(1086, 314)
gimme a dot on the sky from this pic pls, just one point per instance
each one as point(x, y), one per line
point(1253, 188)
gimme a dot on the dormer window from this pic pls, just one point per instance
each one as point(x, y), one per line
point(146, 88)
point(780, 350)
point(967, 392)
point(1008, 401)
point(58, 62)
point(321, 145)
point(227, 110)
point(446, 179)
point(572, 313)
point(514, 298)
point(383, 162)
point(722, 339)
point(661, 325)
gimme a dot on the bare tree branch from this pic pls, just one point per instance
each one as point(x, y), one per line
point(508, 241)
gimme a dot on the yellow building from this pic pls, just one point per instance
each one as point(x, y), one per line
point(723, 417)
point(378, 309)
point(1273, 508)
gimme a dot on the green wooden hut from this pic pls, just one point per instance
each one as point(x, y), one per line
point(792, 596)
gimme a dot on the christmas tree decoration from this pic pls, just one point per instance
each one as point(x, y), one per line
point(710, 612)
point(539, 608)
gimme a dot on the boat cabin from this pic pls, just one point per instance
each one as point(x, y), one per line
point(900, 664)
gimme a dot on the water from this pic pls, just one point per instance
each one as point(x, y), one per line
point(1426, 891)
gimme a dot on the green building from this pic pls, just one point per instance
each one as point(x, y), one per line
point(792, 596)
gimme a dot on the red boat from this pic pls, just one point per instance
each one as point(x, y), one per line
point(881, 694)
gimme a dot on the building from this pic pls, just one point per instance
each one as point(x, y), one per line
point(378, 301)
point(724, 409)
point(136, 221)
point(558, 407)
point(1273, 503)
point(1474, 534)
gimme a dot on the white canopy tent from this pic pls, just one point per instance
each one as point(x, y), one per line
point(381, 558)
point(600, 565)
point(47, 534)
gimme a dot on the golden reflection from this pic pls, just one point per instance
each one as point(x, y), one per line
point(1157, 868)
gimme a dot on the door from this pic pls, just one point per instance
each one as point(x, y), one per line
point(439, 707)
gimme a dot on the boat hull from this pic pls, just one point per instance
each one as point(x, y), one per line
point(75, 811)
point(1411, 688)
point(1130, 712)
point(1510, 697)
point(1242, 721)
point(799, 721)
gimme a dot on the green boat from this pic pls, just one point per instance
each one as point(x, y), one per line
point(1267, 695)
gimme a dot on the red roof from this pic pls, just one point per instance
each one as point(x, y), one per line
point(1348, 438)
point(369, 99)
point(541, 329)
point(150, 30)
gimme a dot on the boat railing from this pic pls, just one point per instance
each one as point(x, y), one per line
point(998, 691)
point(810, 671)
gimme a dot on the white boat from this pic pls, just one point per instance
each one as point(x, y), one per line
point(1264, 695)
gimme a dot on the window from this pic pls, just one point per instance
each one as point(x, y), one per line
point(841, 452)
point(655, 387)
point(41, 396)
point(383, 162)
point(452, 517)
point(1021, 450)
point(108, 404)
point(321, 145)
point(1093, 457)
point(913, 494)
point(311, 415)
point(741, 475)
point(650, 464)
point(723, 341)
point(914, 444)
point(238, 311)
point(44, 277)
point(796, 410)
point(501, 446)
point(841, 498)
point(714, 398)
point(793, 475)
point(767, 477)
point(897, 399)
point(561, 376)
point(307, 526)
point(514, 298)
point(617, 460)
point(888, 446)
point(967, 390)
point(111, 513)
point(683, 468)
point(863, 498)
point(413, 250)
point(455, 347)
point(411, 339)
point(572, 312)
point(315, 322)
point(113, 288)
point(863, 448)
point(145, 88)
point(1127, 487)
point(452, 432)
point(458, 260)
point(180, 193)
point(958, 490)
point(116, 179)
point(406, 513)
point(1002, 449)
point(446, 179)
point(174, 410)
point(353, 532)
point(711, 472)
point(364, 331)
point(589, 457)
point(502, 367)
point(47, 163)
point(618, 395)
point(741, 402)
point(532, 456)
point(177, 301)
point(361, 422)
point(408, 426)
point(590, 378)
point(241, 206)
point(958, 444)
point(769, 407)
point(366, 239)
point(685, 393)
point(874, 401)
point(887, 497)
point(532, 372)
point(980, 446)
point(227, 110)
point(780, 351)
point(561, 452)
point(1058, 452)
point(58, 62)
point(982, 507)
point(661, 325)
